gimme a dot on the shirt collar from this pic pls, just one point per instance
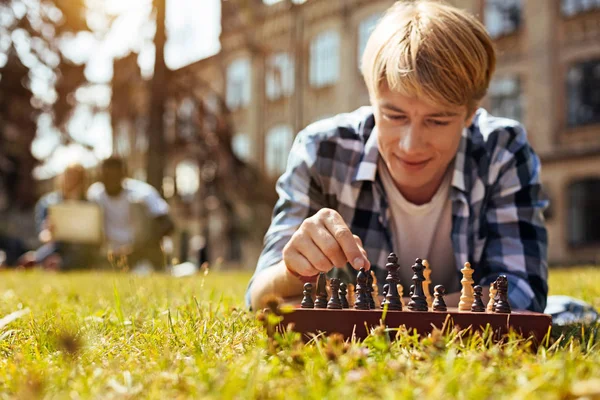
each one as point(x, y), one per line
point(367, 167)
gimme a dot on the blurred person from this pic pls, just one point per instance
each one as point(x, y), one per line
point(60, 255)
point(136, 217)
point(423, 172)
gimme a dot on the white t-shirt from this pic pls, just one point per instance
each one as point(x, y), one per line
point(118, 223)
point(422, 231)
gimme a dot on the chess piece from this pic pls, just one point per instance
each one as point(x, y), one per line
point(321, 301)
point(493, 291)
point(439, 304)
point(401, 294)
point(501, 305)
point(370, 290)
point(351, 295)
point(466, 294)
point(362, 297)
point(478, 305)
point(427, 283)
point(343, 292)
point(385, 290)
point(307, 300)
point(334, 302)
point(418, 301)
point(411, 291)
point(392, 299)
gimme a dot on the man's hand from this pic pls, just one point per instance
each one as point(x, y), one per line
point(322, 242)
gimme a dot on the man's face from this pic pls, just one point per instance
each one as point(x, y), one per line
point(417, 140)
point(112, 178)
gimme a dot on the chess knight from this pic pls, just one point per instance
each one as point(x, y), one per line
point(423, 171)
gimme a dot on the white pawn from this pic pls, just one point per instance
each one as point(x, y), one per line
point(427, 283)
point(401, 293)
point(493, 292)
point(466, 294)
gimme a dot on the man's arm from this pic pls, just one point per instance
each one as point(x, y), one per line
point(516, 234)
point(305, 237)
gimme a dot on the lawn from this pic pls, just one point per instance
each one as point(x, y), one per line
point(121, 336)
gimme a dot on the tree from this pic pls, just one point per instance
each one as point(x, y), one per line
point(36, 79)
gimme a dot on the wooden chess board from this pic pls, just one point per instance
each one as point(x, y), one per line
point(358, 323)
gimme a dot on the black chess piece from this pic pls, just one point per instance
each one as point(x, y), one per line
point(385, 290)
point(370, 290)
point(438, 303)
point(307, 300)
point(321, 301)
point(334, 302)
point(501, 304)
point(418, 301)
point(478, 305)
point(392, 297)
point(362, 298)
point(344, 295)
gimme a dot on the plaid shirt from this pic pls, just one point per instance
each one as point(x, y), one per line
point(497, 200)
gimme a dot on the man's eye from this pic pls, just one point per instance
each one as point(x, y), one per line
point(395, 117)
point(439, 123)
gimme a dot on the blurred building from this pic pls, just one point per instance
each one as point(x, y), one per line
point(288, 63)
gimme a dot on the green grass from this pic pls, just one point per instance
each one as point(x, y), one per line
point(120, 336)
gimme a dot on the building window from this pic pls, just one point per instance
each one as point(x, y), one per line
point(583, 93)
point(187, 179)
point(279, 81)
point(186, 114)
point(123, 142)
point(239, 82)
point(325, 59)
point(502, 17)
point(506, 99)
point(574, 7)
point(365, 28)
point(278, 144)
point(242, 146)
point(584, 213)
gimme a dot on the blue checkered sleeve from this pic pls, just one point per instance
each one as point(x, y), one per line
point(517, 237)
point(300, 196)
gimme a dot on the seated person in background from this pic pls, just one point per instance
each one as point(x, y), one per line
point(136, 217)
point(53, 255)
point(424, 172)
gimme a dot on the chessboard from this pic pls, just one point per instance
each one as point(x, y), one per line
point(354, 310)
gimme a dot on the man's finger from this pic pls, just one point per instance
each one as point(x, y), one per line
point(340, 231)
point(358, 240)
point(328, 246)
point(313, 254)
point(298, 263)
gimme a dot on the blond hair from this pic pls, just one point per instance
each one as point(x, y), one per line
point(430, 50)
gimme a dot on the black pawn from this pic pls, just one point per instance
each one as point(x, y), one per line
point(307, 300)
point(418, 301)
point(321, 301)
point(335, 302)
point(478, 305)
point(362, 298)
point(344, 295)
point(392, 297)
point(385, 290)
point(501, 304)
point(370, 290)
point(438, 303)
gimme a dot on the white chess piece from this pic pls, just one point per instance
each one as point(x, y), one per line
point(427, 283)
point(401, 293)
point(493, 292)
point(466, 294)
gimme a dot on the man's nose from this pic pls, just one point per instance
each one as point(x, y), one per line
point(412, 139)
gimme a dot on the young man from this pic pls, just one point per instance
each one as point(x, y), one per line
point(423, 172)
point(136, 217)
